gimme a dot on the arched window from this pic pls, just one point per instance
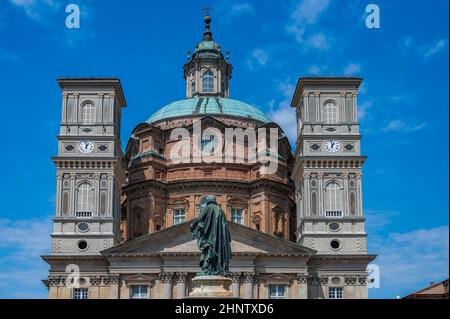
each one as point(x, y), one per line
point(330, 113)
point(352, 203)
point(208, 82)
point(88, 114)
point(192, 87)
point(333, 200)
point(85, 198)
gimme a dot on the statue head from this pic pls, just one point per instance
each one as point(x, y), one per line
point(211, 199)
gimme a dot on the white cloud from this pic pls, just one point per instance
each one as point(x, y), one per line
point(37, 9)
point(238, 9)
point(285, 116)
point(319, 41)
point(306, 13)
point(410, 260)
point(435, 49)
point(363, 109)
point(260, 56)
point(23, 241)
point(402, 127)
point(282, 113)
point(352, 69)
point(317, 69)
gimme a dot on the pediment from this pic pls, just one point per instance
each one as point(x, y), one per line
point(178, 240)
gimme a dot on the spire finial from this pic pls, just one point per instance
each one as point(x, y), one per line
point(207, 35)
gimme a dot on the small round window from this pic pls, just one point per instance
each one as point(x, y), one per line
point(334, 226)
point(335, 244)
point(82, 245)
point(83, 227)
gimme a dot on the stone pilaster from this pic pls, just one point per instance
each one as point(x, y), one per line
point(235, 286)
point(181, 284)
point(167, 280)
point(248, 280)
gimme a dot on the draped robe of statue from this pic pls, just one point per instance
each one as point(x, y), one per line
point(213, 238)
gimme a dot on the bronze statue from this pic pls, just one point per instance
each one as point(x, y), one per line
point(213, 238)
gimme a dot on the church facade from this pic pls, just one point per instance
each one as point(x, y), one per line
point(121, 228)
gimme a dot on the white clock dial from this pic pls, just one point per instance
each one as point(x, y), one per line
point(86, 147)
point(332, 146)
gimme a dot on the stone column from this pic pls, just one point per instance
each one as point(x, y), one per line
point(64, 108)
point(345, 194)
point(181, 284)
point(59, 191)
point(354, 110)
point(317, 106)
point(305, 106)
point(235, 286)
point(166, 279)
point(248, 284)
point(77, 112)
point(307, 195)
point(73, 196)
point(342, 108)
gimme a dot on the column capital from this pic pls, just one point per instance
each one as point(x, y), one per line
point(166, 277)
point(181, 277)
point(249, 277)
point(236, 277)
point(302, 278)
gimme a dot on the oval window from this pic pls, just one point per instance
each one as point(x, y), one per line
point(335, 244)
point(82, 245)
point(334, 226)
point(83, 227)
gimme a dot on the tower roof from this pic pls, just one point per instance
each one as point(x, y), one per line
point(207, 48)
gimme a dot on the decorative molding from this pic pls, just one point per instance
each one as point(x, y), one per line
point(166, 277)
point(181, 277)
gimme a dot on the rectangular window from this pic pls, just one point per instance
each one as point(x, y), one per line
point(277, 292)
point(80, 293)
point(178, 216)
point(237, 215)
point(139, 292)
point(335, 293)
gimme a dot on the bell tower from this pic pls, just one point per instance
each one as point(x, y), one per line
point(89, 166)
point(328, 166)
point(207, 72)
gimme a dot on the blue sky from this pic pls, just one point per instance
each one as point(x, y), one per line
point(403, 105)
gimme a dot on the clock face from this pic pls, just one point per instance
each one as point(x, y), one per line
point(86, 147)
point(332, 146)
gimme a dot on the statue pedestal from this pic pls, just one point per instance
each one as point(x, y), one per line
point(211, 287)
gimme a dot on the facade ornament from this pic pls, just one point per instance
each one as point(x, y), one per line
point(305, 93)
point(166, 277)
point(323, 279)
point(343, 94)
point(302, 278)
point(350, 280)
point(181, 277)
point(95, 280)
point(236, 277)
point(317, 93)
point(362, 280)
point(249, 277)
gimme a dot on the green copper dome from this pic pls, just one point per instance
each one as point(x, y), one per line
point(208, 106)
